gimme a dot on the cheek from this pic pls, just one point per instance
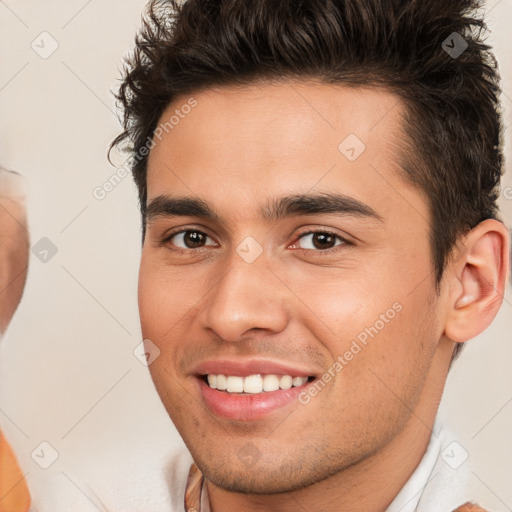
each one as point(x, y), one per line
point(168, 298)
point(150, 299)
point(373, 323)
point(337, 305)
point(164, 296)
point(392, 359)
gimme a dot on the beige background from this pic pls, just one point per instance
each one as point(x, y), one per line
point(68, 375)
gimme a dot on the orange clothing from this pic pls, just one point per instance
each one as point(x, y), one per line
point(14, 496)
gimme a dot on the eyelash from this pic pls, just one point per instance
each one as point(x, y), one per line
point(344, 241)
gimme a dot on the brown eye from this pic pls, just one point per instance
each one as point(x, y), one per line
point(190, 239)
point(320, 240)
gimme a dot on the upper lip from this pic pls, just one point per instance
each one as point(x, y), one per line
point(244, 368)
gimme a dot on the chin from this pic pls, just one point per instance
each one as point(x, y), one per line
point(260, 485)
point(270, 479)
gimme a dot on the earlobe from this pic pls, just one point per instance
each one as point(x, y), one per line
point(480, 275)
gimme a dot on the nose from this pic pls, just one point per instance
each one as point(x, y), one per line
point(247, 297)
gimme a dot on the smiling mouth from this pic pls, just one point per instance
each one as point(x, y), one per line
point(253, 384)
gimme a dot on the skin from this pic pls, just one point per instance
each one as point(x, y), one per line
point(355, 444)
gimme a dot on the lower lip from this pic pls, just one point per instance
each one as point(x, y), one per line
point(247, 407)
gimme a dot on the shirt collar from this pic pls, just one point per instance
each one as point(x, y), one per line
point(194, 490)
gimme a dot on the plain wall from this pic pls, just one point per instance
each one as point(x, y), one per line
point(68, 375)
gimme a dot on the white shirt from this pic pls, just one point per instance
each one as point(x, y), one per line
point(441, 481)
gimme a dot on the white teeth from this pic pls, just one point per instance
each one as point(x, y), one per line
point(298, 381)
point(234, 384)
point(253, 384)
point(270, 383)
point(212, 381)
point(285, 382)
point(221, 382)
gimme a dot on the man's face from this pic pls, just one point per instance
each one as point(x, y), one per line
point(283, 294)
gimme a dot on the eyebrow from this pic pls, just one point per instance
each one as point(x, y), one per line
point(272, 211)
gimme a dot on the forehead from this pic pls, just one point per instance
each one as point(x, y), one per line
point(238, 145)
point(297, 112)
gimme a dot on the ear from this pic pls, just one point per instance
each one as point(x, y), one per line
point(477, 279)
